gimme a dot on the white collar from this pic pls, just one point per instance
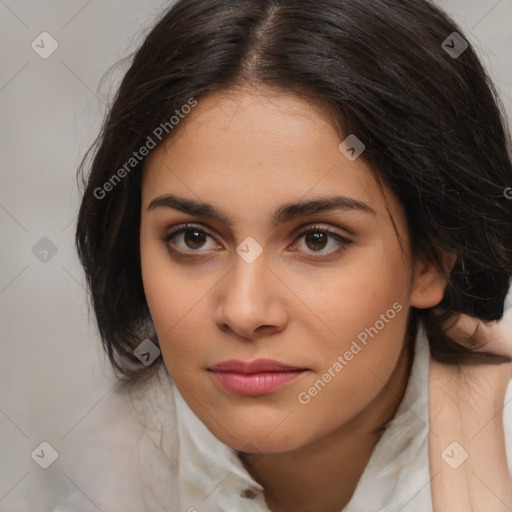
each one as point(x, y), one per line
point(212, 478)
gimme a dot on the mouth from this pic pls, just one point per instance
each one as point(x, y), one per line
point(254, 378)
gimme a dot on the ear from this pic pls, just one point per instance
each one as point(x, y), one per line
point(428, 282)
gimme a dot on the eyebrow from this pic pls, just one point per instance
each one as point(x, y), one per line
point(284, 213)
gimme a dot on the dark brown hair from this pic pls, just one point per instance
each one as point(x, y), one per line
point(431, 121)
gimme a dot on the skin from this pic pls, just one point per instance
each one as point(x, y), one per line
point(248, 152)
point(466, 404)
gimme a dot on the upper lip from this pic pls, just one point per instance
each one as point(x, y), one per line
point(256, 366)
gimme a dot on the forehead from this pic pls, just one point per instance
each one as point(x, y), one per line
point(257, 147)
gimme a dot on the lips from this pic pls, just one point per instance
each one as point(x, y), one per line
point(257, 366)
point(258, 377)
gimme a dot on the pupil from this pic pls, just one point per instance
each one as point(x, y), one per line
point(196, 240)
point(316, 238)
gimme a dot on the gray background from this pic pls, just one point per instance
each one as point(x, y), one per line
point(52, 371)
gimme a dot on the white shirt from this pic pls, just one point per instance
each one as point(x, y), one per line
point(212, 478)
point(175, 458)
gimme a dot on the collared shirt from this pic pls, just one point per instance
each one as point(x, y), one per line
point(151, 453)
point(213, 479)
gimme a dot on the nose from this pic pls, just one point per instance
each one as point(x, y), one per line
point(252, 300)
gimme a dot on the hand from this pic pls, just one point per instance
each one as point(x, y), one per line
point(466, 404)
point(491, 336)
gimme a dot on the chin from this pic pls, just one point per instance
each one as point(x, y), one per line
point(258, 436)
point(259, 444)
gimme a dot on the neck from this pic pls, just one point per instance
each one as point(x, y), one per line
point(322, 476)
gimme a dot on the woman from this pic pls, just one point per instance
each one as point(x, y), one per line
point(294, 202)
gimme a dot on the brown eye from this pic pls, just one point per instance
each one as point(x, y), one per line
point(317, 238)
point(188, 238)
point(194, 238)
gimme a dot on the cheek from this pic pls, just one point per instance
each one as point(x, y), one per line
point(366, 285)
point(175, 314)
point(355, 371)
point(170, 293)
point(366, 309)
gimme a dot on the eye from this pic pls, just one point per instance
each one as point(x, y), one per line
point(192, 238)
point(318, 237)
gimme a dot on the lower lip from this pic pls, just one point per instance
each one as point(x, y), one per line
point(252, 384)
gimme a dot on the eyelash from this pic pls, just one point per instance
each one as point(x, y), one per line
point(344, 242)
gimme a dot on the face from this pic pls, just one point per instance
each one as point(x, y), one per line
point(323, 290)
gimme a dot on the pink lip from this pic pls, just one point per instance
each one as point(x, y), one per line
point(257, 377)
point(256, 366)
